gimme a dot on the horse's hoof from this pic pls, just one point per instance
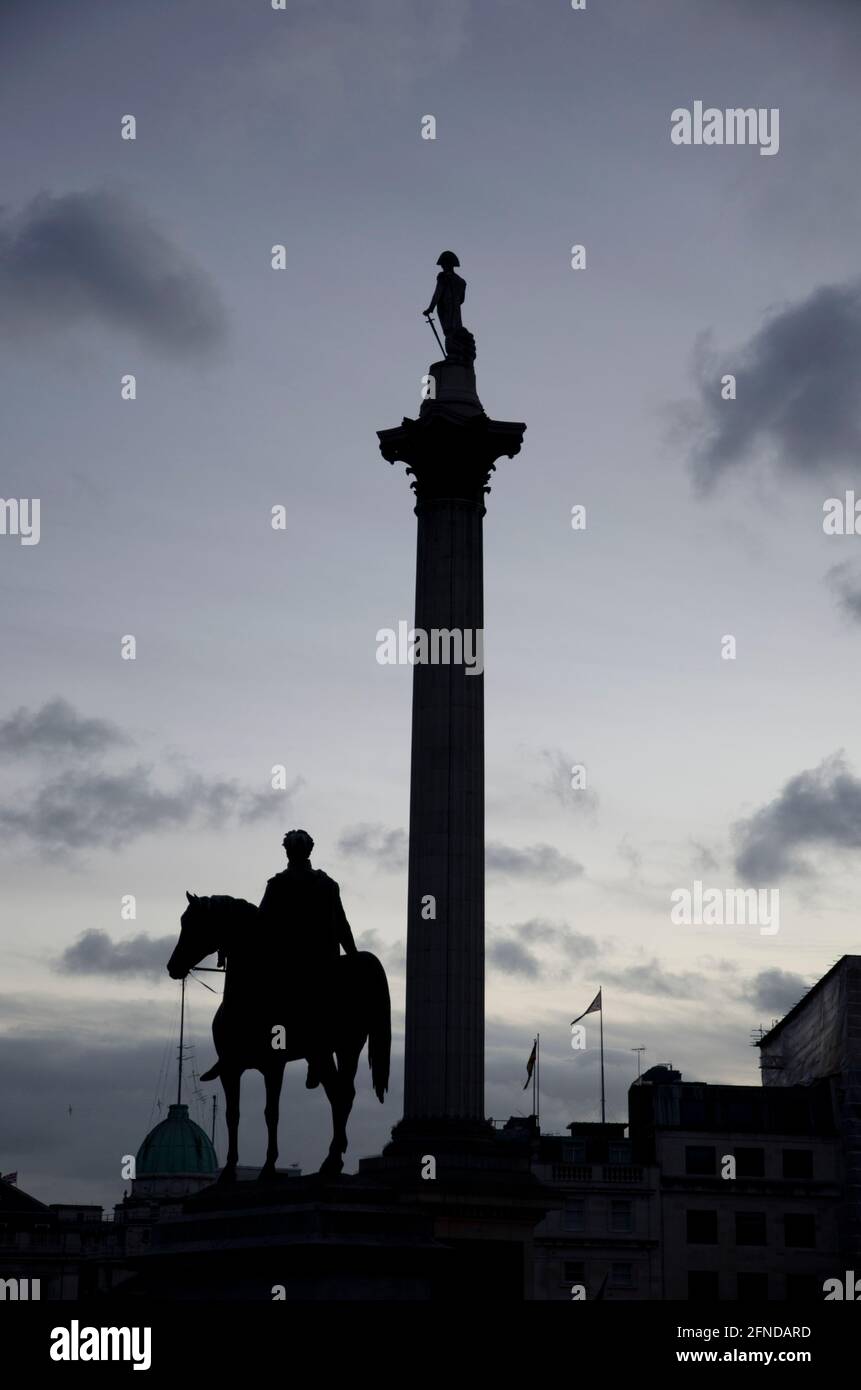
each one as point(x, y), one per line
point(267, 1173)
point(331, 1166)
point(226, 1177)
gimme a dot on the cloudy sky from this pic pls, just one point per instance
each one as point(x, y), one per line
point(258, 388)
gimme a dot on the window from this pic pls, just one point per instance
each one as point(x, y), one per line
point(700, 1160)
point(799, 1230)
point(574, 1153)
point(619, 1153)
point(703, 1285)
point(574, 1272)
point(575, 1214)
point(750, 1163)
point(753, 1287)
point(702, 1227)
point(750, 1228)
point(798, 1163)
point(621, 1275)
point(621, 1216)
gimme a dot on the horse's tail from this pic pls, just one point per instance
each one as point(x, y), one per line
point(212, 1073)
point(379, 1016)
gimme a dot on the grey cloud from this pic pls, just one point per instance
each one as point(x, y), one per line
point(845, 580)
point(512, 958)
point(797, 390)
point(96, 256)
point(704, 860)
point(387, 848)
point(652, 978)
point(392, 954)
point(559, 765)
point(776, 991)
point(257, 806)
point(84, 810)
point(57, 729)
point(536, 861)
point(94, 953)
point(575, 945)
point(820, 808)
point(511, 950)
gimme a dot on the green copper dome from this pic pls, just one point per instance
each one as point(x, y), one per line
point(176, 1145)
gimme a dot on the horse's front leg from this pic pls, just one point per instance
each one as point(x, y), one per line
point(230, 1079)
point(273, 1078)
point(338, 1085)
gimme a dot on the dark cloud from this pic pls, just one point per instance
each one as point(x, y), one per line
point(776, 991)
point(95, 256)
point(94, 953)
point(652, 978)
point(111, 1077)
point(845, 580)
point(386, 848)
point(512, 958)
point(257, 806)
point(511, 949)
point(536, 861)
point(797, 391)
point(86, 810)
point(57, 729)
point(817, 809)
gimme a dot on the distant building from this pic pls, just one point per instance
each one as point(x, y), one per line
point(749, 1193)
point(604, 1236)
point(61, 1246)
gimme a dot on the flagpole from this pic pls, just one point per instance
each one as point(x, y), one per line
point(534, 1069)
point(603, 1106)
point(538, 1081)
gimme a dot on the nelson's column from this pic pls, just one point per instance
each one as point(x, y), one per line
point(450, 451)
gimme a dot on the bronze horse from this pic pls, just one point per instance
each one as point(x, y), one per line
point(255, 1007)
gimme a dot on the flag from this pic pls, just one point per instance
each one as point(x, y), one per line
point(9, 1177)
point(594, 1008)
point(530, 1065)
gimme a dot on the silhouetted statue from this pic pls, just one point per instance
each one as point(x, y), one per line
point(261, 1008)
point(447, 299)
point(303, 908)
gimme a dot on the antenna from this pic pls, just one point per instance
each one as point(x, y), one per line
point(638, 1050)
point(181, 1036)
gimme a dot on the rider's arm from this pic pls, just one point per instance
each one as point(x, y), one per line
point(345, 935)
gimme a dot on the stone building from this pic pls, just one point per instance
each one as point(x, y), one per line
point(819, 1040)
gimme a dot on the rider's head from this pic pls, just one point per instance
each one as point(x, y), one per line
point(298, 844)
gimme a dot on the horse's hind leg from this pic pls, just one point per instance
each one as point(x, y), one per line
point(338, 1083)
point(230, 1079)
point(273, 1079)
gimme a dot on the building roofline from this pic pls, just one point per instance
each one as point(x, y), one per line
point(805, 998)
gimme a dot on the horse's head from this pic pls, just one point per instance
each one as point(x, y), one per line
point(197, 937)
